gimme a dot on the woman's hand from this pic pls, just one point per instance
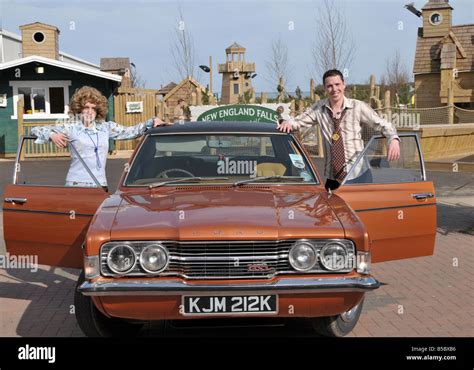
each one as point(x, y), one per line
point(158, 122)
point(60, 140)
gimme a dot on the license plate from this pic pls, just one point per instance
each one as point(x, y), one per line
point(230, 305)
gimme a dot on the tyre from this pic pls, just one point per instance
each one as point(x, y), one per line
point(94, 323)
point(339, 325)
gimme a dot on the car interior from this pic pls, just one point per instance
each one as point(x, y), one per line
point(153, 164)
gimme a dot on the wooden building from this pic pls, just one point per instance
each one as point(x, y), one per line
point(444, 59)
point(237, 74)
point(33, 68)
point(188, 89)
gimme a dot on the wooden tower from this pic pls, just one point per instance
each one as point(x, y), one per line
point(236, 74)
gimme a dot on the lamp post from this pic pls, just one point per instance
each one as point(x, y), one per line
point(208, 70)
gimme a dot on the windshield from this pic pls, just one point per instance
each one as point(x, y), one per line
point(219, 159)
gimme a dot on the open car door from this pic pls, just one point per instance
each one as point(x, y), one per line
point(394, 201)
point(43, 217)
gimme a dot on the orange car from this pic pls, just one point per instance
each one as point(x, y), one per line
point(225, 220)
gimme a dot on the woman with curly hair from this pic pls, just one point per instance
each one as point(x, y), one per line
point(88, 131)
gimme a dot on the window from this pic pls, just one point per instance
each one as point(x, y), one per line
point(436, 18)
point(27, 170)
point(42, 99)
point(38, 37)
point(374, 168)
point(56, 95)
point(236, 89)
point(230, 156)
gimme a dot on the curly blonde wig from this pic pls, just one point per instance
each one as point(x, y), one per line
point(87, 94)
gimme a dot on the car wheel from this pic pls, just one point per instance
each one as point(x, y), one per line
point(339, 325)
point(94, 323)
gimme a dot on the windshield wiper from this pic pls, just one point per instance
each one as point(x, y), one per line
point(263, 178)
point(184, 179)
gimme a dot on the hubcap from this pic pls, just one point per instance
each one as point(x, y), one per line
point(348, 316)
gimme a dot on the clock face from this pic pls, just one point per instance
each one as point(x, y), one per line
point(436, 18)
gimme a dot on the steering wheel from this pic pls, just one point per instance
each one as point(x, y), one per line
point(164, 174)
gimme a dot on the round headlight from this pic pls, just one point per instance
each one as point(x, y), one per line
point(302, 256)
point(334, 256)
point(121, 259)
point(154, 258)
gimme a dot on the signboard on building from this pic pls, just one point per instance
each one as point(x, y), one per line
point(134, 106)
point(3, 100)
point(239, 112)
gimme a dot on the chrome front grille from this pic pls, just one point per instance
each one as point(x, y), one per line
point(230, 260)
point(217, 259)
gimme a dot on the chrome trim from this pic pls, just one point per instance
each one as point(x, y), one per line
point(130, 163)
point(197, 260)
point(241, 257)
point(422, 195)
point(16, 200)
point(140, 287)
point(395, 207)
point(17, 158)
point(218, 133)
point(349, 315)
point(422, 160)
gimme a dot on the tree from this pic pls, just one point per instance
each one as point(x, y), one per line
point(136, 79)
point(334, 47)
point(277, 63)
point(182, 49)
point(397, 78)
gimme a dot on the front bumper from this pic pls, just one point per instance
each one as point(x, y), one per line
point(312, 285)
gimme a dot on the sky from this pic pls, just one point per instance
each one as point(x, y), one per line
point(144, 30)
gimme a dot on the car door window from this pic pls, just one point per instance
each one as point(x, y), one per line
point(373, 167)
point(46, 165)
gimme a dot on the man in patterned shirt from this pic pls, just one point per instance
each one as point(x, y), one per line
point(340, 120)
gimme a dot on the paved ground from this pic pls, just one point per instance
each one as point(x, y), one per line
point(428, 296)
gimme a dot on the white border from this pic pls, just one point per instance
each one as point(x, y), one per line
point(33, 37)
point(41, 85)
point(440, 19)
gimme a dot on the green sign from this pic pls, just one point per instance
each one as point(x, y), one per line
point(249, 113)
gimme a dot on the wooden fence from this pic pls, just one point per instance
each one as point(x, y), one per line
point(152, 107)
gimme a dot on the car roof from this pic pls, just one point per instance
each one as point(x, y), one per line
point(218, 127)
